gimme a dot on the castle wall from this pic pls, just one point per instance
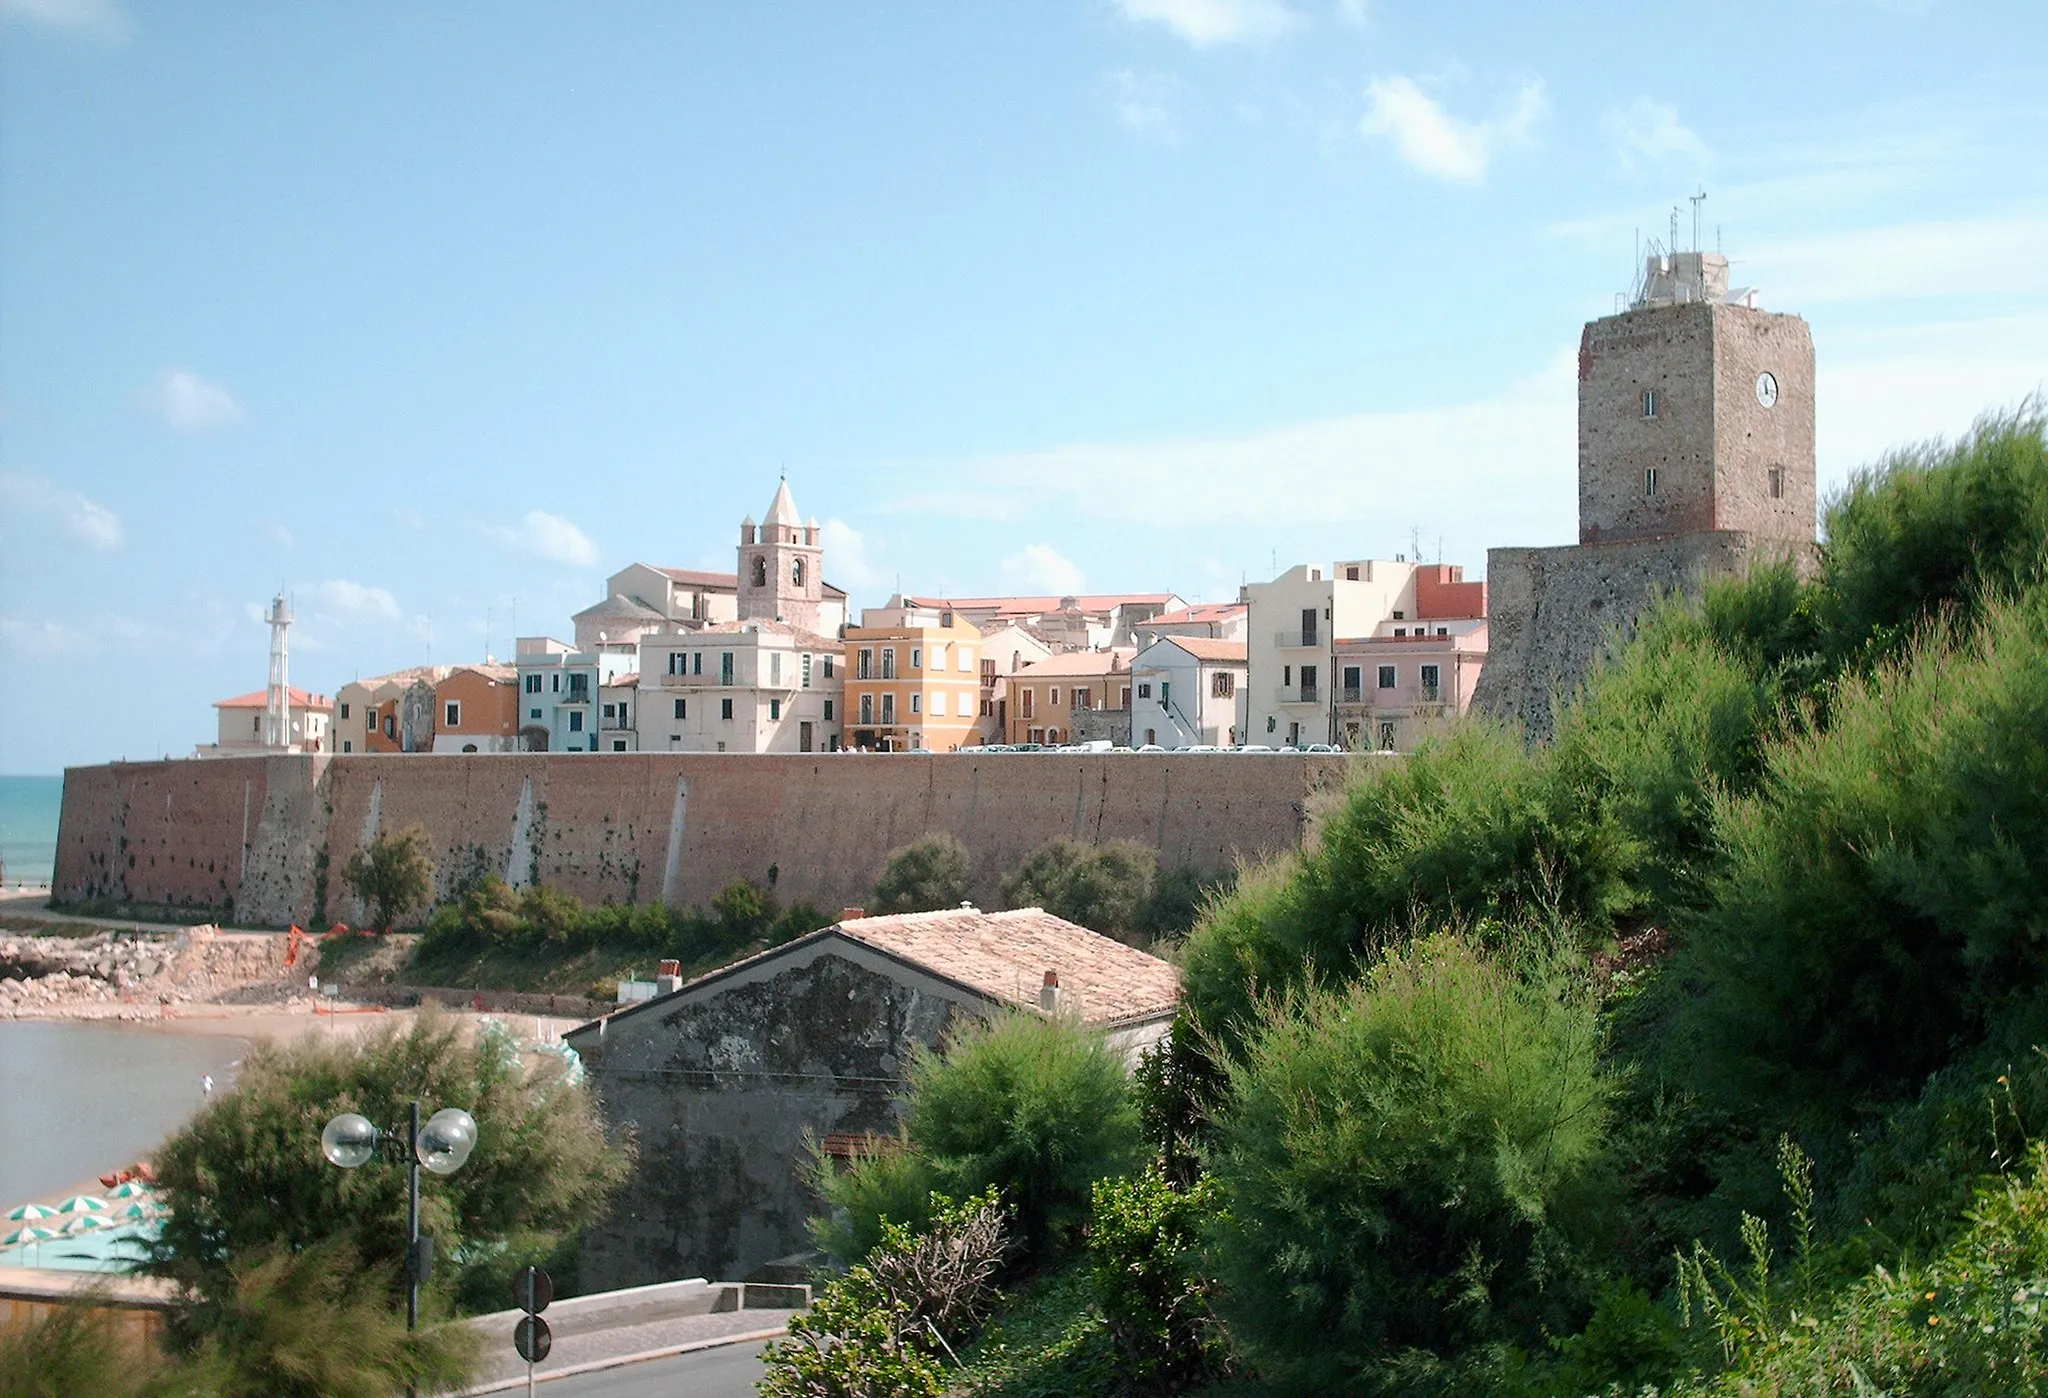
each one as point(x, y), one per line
point(1554, 611)
point(262, 834)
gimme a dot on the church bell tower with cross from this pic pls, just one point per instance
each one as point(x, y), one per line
point(779, 562)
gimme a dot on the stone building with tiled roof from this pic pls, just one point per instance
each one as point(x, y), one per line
point(723, 1080)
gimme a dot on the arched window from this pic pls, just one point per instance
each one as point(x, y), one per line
point(796, 572)
point(760, 571)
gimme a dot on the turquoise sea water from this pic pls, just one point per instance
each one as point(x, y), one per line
point(28, 827)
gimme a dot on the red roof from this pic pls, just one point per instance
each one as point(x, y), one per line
point(260, 699)
point(1035, 606)
point(1203, 612)
point(696, 578)
point(1209, 648)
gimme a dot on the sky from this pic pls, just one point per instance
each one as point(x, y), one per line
point(434, 316)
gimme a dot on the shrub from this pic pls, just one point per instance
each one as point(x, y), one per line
point(246, 1173)
point(80, 1349)
point(1176, 901)
point(1102, 887)
point(924, 875)
point(745, 911)
point(393, 876)
point(1414, 1163)
point(1143, 1251)
point(891, 1183)
point(1037, 1108)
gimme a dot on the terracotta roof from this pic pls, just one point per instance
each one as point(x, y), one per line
point(618, 604)
point(697, 578)
point(1207, 611)
point(1208, 648)
point(260, 699)
point(501, 674)
point(1078, 662)
point(627, 680)
point(1005, 956)
point(1037, 606)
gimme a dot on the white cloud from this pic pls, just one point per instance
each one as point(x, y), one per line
point(342, 599)
point(71, 516)
point(1146, 103)
point(1996, 256)
point(102, 19)
point(1433, 141)
point(549, 538)
point(1205, 23)
point(847, 559)
point(42, 640)
point(281, 533)
point(1647, 135)
point(1039, 568)
point(190, 403)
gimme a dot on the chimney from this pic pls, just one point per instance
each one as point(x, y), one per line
point(852, 914)
point(1049, 993)
point(668, 978)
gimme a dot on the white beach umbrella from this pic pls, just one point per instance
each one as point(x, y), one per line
point(83, 1204)
point(129, 1189)
point(26, 1235)
point(28, 1211)
point(88, 1223)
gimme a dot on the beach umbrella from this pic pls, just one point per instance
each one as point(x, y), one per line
point(88, 1224)
point(83, 1204)
point(139, 1211)
point(28, 1211)
point(26, 1235)
point(129, 1189)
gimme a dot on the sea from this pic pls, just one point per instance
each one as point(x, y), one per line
point(28, 828)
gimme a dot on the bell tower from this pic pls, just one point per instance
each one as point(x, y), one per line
point(779, 566)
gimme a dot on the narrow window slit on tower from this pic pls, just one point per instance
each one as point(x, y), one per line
point(1649, 402)
point(1777, 482)
point(1650, 481)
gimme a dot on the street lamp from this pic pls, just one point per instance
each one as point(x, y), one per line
point(442, 1145)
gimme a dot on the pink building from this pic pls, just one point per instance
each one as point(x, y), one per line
point(1412, 672)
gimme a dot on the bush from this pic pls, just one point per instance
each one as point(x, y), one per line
point(1143, 1251)
point(890, 1183)
point(1173, 907)
point(1102, 887)
point(393, 876)
point(924, 876)
point(81, 1349)
point(246, 1173)
point(1415, 1163)
point(745, 911)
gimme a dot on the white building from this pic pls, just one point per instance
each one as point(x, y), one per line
point(741, 686)
point(1185, 692)
point(1222, 621)
point(1295, 620)
point(240, 723)
point(558, 692)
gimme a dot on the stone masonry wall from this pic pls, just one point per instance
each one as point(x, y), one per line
point(1554, 611)
point(259, 836)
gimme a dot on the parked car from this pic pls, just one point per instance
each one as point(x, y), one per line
point(1322, 747)
point(1151, 747)
point(1255, 747)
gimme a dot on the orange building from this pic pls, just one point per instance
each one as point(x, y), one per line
point(913, 680)
point(1047, 696)
point(476, 709)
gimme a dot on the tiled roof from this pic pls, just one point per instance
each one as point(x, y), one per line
point(1078, 662)
point(1208, 648)
point(696, 578)
point(1005, 956)
point(619, 605)
point(260, 699)
point(497, 674)
point(1037, 606)
point(1206, 612)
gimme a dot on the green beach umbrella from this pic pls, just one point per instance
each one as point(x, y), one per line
point(129, 1189)
point(139, 1211)
point(88, 1224)
point(28, 1211)
point(83, 1204)
point(26, 1235)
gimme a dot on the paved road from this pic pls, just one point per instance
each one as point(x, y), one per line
point(726, 1372)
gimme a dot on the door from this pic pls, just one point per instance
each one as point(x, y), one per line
point(803, 736)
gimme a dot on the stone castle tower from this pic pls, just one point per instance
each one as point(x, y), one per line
point(779, 567)
point(1695, 459)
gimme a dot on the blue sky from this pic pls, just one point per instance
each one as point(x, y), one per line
point(435, 315)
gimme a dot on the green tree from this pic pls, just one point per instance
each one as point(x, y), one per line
point(246, 1173)
point(924, 875)
point(745, 912)
point(1102, 887)
point(1414, 1164)
point(393, 876)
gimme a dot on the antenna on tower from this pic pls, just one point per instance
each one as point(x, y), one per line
point(1672, 246)
point(1696, 200)
point(277, 708)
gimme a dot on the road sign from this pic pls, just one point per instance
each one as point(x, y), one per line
point(532, 1289)
point(532, 1339)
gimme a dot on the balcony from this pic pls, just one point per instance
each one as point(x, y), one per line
point(1428, 694)
point(1298, 694)
point(1351, 694)
point(1294, 638)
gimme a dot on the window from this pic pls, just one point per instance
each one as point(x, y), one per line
point(1294, 735)
point(1271, 723)
point(917, 703)
point(796, 572)
point(1443, 631)
point(866, 668)
point(807, 670)
point(344, 711)
point(1649, 402)
point(1777, 482)
point(682, 708)
point(725, 709)
point(939, 657)
point(1386, 735)
point(618, 745)
point(828, 711)
point(888, 708)
point(917, 657)
point(677, 662)
point(1400, 616)
point(760, 571)
point(532, 686)
point(390, 725)
point(774, 710)
point(534, 713)
point(1151, 737)
point(725, 667)
point(348, 745)
point(1027, 704)
point(1145, 689)
point(611, 711)
point(888, 662)
point(1309, 692)
point(1429, 678)
point(1052, 697)
point(1649, 481)
point(1125, 695)
point(1223, 684)
point(1083, 698)
point(988, 708)
point(1037, 735)
point(1286, 675)
point(1308, 626)
point(555, 682)
point(1165, 694)
point(1351, 573)
point(828, 667)
point(576, 721)
point(1400, 631)
point(697, 663)
point(988, 669)
point(966, 661)
point(939, 704)
point(370, 719)
point(1387, 677)
point(775, 667)
point(1353, 681)
point(867, 708)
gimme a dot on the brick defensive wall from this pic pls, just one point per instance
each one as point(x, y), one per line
point(261, 838)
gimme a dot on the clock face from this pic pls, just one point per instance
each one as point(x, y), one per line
point(1767, 389)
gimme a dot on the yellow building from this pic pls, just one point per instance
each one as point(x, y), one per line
point(913, 680)
point(1085, 689)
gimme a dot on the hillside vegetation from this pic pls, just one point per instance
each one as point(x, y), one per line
point(1700, 1050)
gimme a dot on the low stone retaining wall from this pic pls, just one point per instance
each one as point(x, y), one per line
point(508, 1002)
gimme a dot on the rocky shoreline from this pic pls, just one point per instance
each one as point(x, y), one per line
point(122, 975)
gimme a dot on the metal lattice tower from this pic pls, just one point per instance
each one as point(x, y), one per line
point(277, 718)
